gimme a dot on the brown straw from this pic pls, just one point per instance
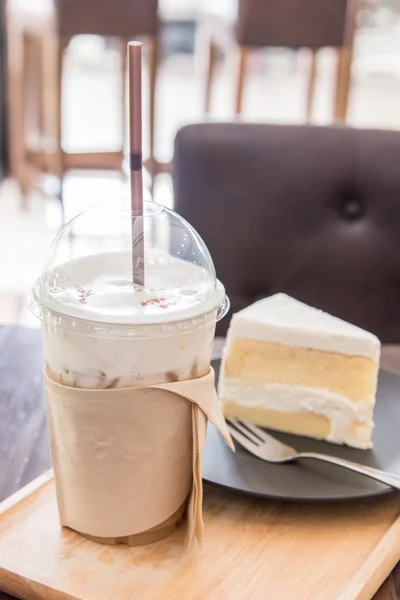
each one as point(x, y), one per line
point(135, 159)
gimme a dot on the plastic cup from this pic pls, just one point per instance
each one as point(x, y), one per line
point(101, 331)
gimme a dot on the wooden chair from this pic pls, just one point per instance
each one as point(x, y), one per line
point(24, 27)
point(36, 69)
point(312, 24)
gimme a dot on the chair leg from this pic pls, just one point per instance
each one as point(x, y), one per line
point(28, 174)
point(15, 96)
point(20, 105)
point(343, 80)
point(240, 75)
point(210, 53)
point(60, 44)
point(33, 123)
point(312, 75)
point(153, 66)
point(49, 99)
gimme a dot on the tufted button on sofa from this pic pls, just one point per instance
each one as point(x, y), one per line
point(310, 211)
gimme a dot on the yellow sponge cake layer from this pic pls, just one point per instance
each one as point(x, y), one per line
point(268, 362)
point(308, 424)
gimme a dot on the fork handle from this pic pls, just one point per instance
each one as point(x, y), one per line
point(376, 474)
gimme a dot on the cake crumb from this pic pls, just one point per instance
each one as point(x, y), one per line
point(113, 383)
point(172, 377)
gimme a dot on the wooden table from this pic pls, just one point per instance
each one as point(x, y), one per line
point(24, 452)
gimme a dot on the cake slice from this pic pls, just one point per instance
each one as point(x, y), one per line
point(293, 368)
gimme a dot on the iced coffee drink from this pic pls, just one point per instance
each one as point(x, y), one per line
point(159, 340)
point(100, 331)
point(123, 450)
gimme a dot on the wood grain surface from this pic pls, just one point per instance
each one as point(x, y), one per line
point(253, 549)
point(245, 523)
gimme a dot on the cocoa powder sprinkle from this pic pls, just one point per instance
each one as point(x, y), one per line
point(152, 301)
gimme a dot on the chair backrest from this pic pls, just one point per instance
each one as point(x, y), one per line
point(310, 211)
point(125, 18)
point(291, 23)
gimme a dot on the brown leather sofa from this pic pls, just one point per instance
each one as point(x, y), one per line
point(310, 211)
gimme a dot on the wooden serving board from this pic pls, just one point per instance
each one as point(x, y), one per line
point(254, 549)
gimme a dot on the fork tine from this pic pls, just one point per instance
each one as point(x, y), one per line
point(243, 440)
point(242, 427)
point(257, 431)
point(269, 440)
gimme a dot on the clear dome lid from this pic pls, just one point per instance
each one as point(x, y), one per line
point(87, 274)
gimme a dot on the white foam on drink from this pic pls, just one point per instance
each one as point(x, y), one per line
point(99, 288)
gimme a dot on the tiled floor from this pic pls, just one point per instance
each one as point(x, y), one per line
point(275, 92)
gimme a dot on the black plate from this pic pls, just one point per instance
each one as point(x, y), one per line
point(310, 479)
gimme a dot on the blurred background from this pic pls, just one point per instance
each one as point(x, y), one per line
point(63, 127)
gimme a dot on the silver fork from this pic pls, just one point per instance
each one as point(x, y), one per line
point(266, 447)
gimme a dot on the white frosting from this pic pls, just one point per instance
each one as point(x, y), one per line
point(99, 288)
point(338, 409)
point(284, 320)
